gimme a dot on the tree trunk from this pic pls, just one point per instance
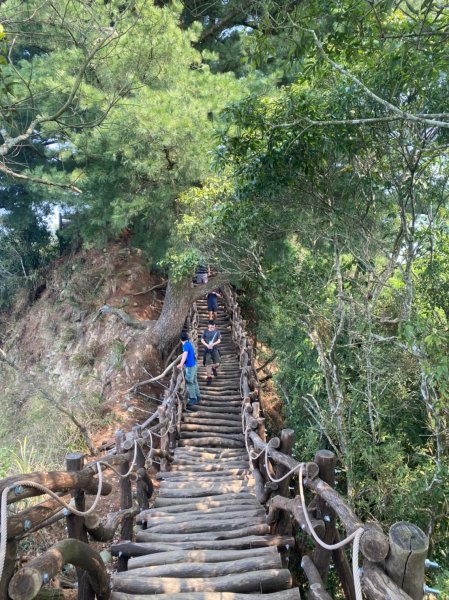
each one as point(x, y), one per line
point(178, 299)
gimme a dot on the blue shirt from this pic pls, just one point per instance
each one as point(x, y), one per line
point(190, 360)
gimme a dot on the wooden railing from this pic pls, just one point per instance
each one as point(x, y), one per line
point(393, 566)
point(151, 442)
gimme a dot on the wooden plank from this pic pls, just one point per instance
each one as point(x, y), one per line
point(148, 536)
point(292, 594)
point(251, 541)
point(260, 581)
point(204, 501)
point(209, 556)
point(203, 569)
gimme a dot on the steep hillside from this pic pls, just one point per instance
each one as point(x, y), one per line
point(86, 361)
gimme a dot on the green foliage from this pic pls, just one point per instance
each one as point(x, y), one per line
point(330, 210)
point(347, 228)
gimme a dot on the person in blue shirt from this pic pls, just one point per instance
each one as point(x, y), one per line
point(188, 363)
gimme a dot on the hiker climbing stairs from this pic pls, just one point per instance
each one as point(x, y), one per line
point(206, 537)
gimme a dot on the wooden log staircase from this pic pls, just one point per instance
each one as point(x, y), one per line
point(226, 515)
point(209, 531)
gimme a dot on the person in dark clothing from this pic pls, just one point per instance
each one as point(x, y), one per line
point(212, 304)
point(210, 339)
point(188, 362)
point(202, 273)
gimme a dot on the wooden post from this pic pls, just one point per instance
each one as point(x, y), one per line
point(75, 525)
point(9, 568)
point(344, 570)
point(261, 433)
point(321, 557)
point(172, 432)
point(126, 500)
point(317, 586)
point(165, 443)
point(283, 526)
point(405, 562)
point(143, 480)
point(26, 584)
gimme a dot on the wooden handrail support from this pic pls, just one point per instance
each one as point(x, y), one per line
point(27, 582)
point(30, 518)
point(104, 531)
point(57, 481)
point(373, 543)
point(317, 588)
point(376, 584)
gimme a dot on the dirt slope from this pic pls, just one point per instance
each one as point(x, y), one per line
point(86, 359)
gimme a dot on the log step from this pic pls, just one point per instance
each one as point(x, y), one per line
point(204, 569)
point(246, 542)
point(291, 594)
point(191, 511)
point(157, 518)
point(223, 443)
point(210, 428)
point(215, 471)
point(205, 525)
point(254, 581)
point(183, 504)
point(209, 556)
point(149, 536)
point(169, 501)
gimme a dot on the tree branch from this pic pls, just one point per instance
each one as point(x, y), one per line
point(11, 143)
point(385, 103)
point(31, 179)
point(127, 319)
point(151, 289)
